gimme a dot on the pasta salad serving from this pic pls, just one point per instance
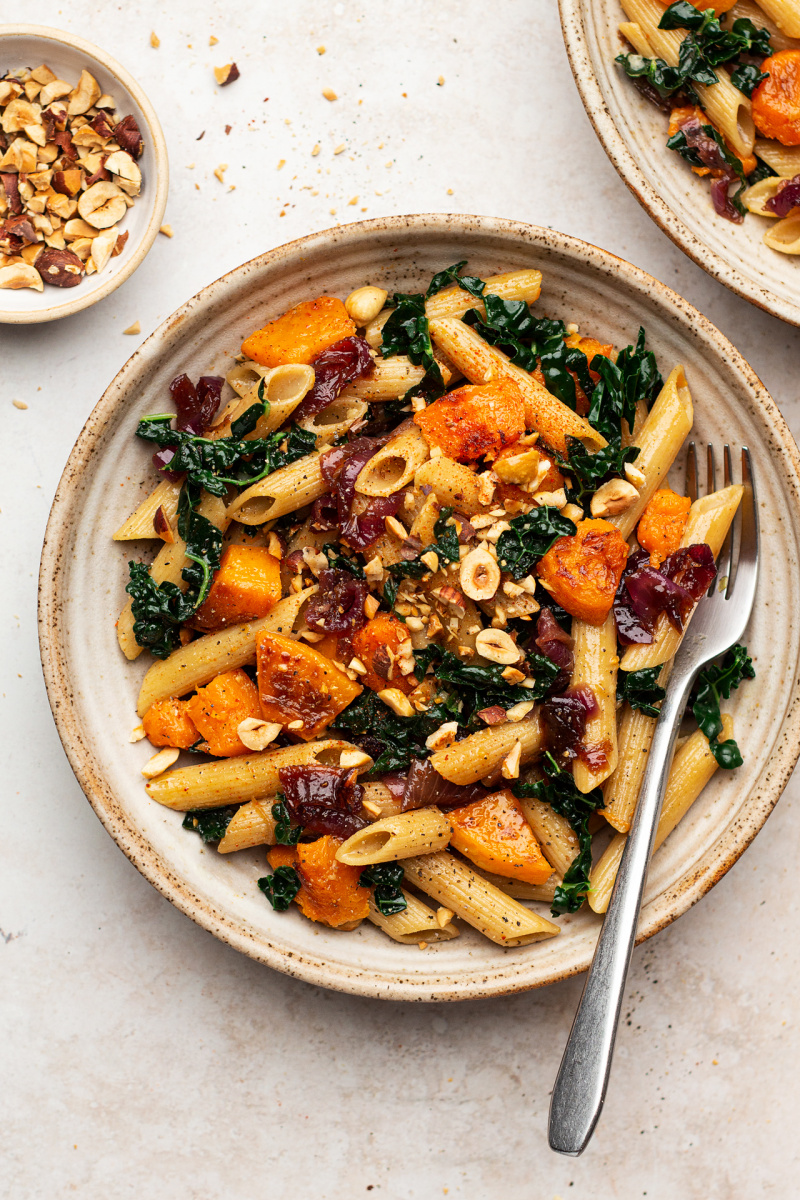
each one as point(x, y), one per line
point(728, 77)
point(421, 581)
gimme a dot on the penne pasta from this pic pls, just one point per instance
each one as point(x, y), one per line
point(140, 523)
point(477, 756)
point(784, 235)
point(282, 492)
point(660, 438)
point(167, 567)
point(453, 485)
point(237, 780)
point(758, 14)
point(709, 521)
point(543, 892)
point(395, 464)
point(553, 832)
point(783, 159)
point(692, 768)
point(201, 660)
point(416, 925)
point(478, 902)
point(391, 378)
point(378, 800)
point(785, 14)
point(481, 362)
point(251, 825)
point(621, 790)
point(422, 831)
point(335, 420)
point(596, 664)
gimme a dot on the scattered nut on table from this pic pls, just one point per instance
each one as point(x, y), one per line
point(68, 175)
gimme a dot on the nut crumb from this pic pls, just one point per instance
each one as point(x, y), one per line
point(19, 404)
point(353, 201)
point(212, 41)
point(316, 150)
point(440, 81)
point(134, 328)
point(320, 49)
point(281, 164)
point(329, 94)
point(340, 149)
point(166, 230)
point(227, 74)
point(155, 40)
point(449, 191)
point(137, 734)
point(220, 172)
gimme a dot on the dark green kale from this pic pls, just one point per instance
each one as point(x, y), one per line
point(247, 422)
point(387, 879)
point(560, 365)
point(340, 562)
point(641, 689)
point(509, 325)
point(746, 77)
point(763, 171)
point(280, 887)
point(714, 683)
point(210, 823)
point(588, 471)
point(560, 792)
point(634, 377)
point(446, 534)
point(406, 331)
point(476, 686)
point(664, 79)
point(392, 741)
point(286, 834)
point(531, 536)
point(203, 545)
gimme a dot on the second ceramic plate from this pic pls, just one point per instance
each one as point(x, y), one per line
point(633, 134)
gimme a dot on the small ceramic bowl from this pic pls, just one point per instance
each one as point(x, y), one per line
point(633, 134)
point(93, 689)
point(67, 56)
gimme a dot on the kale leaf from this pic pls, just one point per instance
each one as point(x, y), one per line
point(634, 377)
point(714, 683)
point(664, 79)
point(203, 545)
point(286, 834)
point(446, 534)
point(280, 887)
point(560, 792)
point(641, 689)
point(531, 536)
point(445, 547)
point(210, 823)
point(451, 276)
point(392, 741)
point(340, 562)
point(590, 470)
point(387, 879)
point(746, 77)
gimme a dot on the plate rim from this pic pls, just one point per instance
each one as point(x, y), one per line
point(316, 969)
point(624, 162)
point(159, 204)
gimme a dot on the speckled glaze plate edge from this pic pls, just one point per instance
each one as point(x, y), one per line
point(355, 963)
point(617, 121)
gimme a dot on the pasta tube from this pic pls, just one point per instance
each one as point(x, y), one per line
point(423, 831)
point(140, 523)
point(783, 159)
point(478, 902)
point(692, 768)
point(251, 825)
point(596, 664)
point(417, 923)
point(758, 15)
point(554, 834)
point(394, 465)
point(520, 890)
point(784, 235)
point(206, 657)
point(284, 491)
point(392, 377)
point(476, 756)
point(481, 362)
point(709, 521)
point(454, 485)
point(237, 780)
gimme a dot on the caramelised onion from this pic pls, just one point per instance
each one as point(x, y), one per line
point(323, 800)
point(557, 645)
point(341, 467)
point(711, 156)
point(338, 606)
point(425, 786)
point(674, 588)
point(564, 718)
point(195, 409)
point(334, 369)
point(786, 198)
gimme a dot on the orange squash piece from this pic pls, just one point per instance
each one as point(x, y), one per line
point(297, 683)
point(494, 834)
point(582, 572)
point(220, 707)
point(167, 723)
point(662, 523)
point(330, 891)
point(300, 334)
point(776, 100)
point(246, 586)
point(377, 644)
point(474, 420)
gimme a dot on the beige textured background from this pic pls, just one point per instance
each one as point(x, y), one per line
point(140, 1056)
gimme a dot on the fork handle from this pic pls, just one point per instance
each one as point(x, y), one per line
point(580, 1087)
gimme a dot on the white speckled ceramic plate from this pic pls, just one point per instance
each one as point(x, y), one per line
point(67, 55)
point(633, 133)
point(93, 690)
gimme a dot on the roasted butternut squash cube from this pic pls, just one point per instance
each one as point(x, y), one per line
point(474, 420)
point(300, 334)
point(219, 708)
point(582, 572)
point(494, 834)
point(662, 523)
point(246, 586)
point(380, 646)
point(330, 891)
point(776, 100)
point(167, 723)
point(297, 683)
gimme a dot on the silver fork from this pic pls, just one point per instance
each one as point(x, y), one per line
point(719, 620)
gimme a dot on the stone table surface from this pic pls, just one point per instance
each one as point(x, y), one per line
point(141, 1056)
